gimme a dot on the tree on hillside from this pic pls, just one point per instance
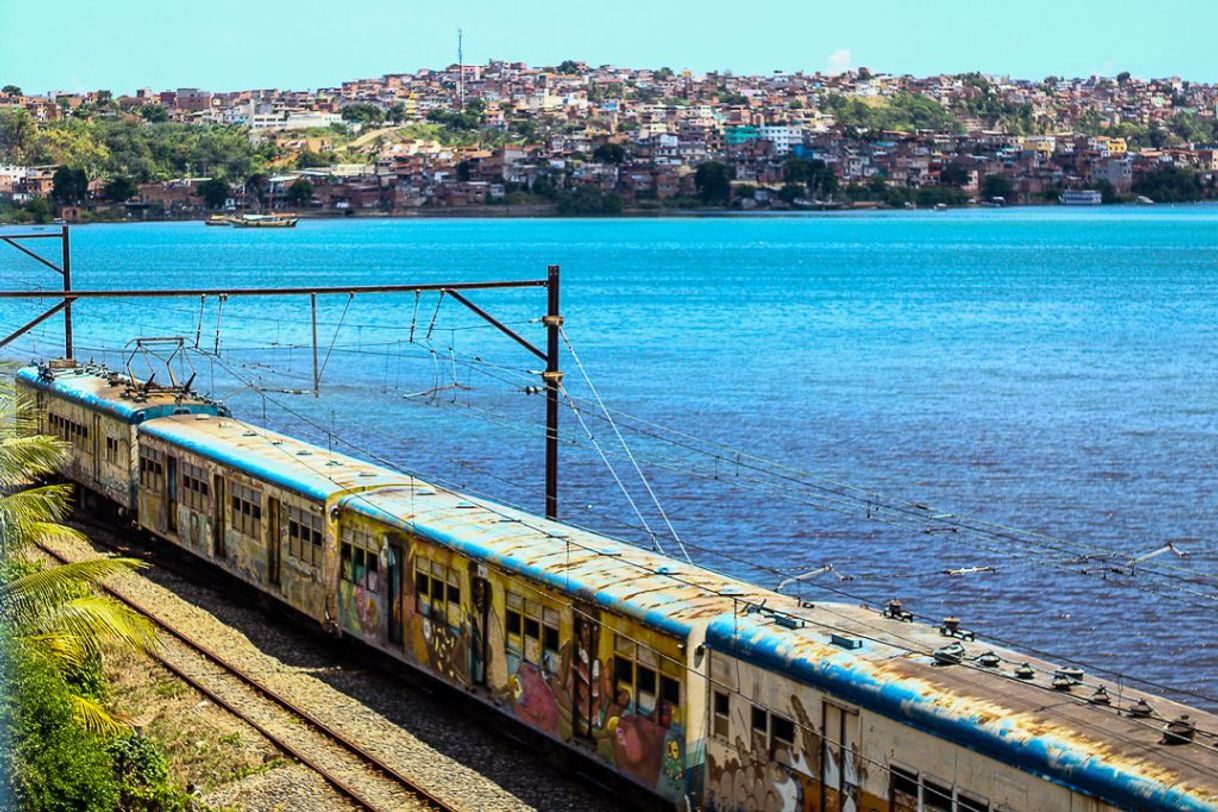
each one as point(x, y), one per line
point(609, 153)
point(11, 90)
point(568, 66)
point(815, 174)
point(1171, 184)
point(120, 188)
point(300, 193)
point(996, 186)
point(396, 113)
point(214, 192)
point(309, 159)
point(713, 181)
point(17, 133)
point(363, 113)
point(69, 185)
point(154, 113)
point(1122, 77)
point(953, 175)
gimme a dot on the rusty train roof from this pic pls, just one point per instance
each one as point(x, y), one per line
point(268, 455)
point(116, 394)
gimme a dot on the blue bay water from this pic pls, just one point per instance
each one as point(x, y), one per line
point(1049, 369)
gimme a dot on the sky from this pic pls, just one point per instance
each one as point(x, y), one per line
point(221, 45)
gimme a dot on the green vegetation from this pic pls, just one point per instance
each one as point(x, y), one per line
point(609, 153)
point(300, 193)
point(69, 185)
point(142, 150)
point(713, 180)
point(815, 175)
point(903, 112)
point(214, 192)
point(120, 188)
point(588, 200)
point(1170, 184)
point(996, 186)
point(363, 113)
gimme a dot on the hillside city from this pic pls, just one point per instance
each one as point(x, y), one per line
point(578, 139)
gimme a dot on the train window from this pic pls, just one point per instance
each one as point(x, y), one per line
point(971, 803)
point(782, 734)
point(904, 789)
point(936, 797)
point(760, 720)
point(623, 674)
point(194, 487)
point(645, 681)
point(722, 710)
point(670, 690)
point(152, 470)
point(345, 562)
point(304, 536)
point(513, 623)
point(437, 593)
point(112, 450)
point(247, 510)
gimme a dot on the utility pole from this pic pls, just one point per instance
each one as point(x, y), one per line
point(553, 380)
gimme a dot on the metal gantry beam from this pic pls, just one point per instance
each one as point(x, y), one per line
point(64, 269)
point(551, 377)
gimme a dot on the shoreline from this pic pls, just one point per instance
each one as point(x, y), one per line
point(550, 213)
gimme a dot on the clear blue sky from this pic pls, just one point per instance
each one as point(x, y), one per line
point(228, 45)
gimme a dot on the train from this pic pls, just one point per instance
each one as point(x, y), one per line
point(703, 690)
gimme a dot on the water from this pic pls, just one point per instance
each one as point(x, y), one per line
point(1051, 369)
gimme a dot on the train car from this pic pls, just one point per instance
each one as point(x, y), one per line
point(98, 411)
point(255, 503)
point(592, 642)
point(843, 709)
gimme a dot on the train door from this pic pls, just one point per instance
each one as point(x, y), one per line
point(217, 519)
point(839, 778)
point(394, 592)
point(274, 541)
point(97, 449)
point(171, 494)
point(481, 591)
point(586, 674)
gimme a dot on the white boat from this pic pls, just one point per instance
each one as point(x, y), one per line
point(1080, 197)
point(1143, 200)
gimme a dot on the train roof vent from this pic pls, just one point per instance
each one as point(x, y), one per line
point(845, 641)
point(276, 442)
point(249, 433)
point(731, 589)
point(202, 417)
point(951, 654)
point(366, 474)
point(665, 569)
point(334, 463)
point(424, 492)
point(465, 505)
point(304, 452)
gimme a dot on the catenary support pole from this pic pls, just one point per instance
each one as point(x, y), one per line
point(316, 374)
point(553, 380)
point(67, 288)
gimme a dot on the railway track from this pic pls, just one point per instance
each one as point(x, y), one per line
point(357, 774)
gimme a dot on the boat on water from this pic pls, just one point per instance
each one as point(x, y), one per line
point(1080, 197)
point(281, 220)
point(1143, 200)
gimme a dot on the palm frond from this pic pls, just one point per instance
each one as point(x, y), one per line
point(23, 599)
point(93, 717)
point(24, 459)
point(24, 513)
point(97, 622)
point(66, 651)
